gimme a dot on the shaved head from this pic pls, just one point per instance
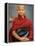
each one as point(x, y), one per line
point(20, 6)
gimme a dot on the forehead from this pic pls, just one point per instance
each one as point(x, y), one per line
point(20, 6)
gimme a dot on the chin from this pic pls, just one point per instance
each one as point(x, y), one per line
point(21, 14)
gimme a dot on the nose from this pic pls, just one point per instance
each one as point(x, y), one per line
point(21, 11)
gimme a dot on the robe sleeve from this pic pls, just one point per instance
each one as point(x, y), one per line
point(14, 26)
point(30, 31)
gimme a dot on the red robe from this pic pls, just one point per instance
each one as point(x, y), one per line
point(22, 22)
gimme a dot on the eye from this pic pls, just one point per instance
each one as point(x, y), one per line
point(19, 9)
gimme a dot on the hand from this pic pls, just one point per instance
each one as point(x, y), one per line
point(24, 39)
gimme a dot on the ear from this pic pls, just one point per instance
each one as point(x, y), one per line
point(16, 8)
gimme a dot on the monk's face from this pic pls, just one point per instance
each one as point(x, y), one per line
point(21, 10)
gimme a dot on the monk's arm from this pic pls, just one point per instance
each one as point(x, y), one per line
point(15, 35)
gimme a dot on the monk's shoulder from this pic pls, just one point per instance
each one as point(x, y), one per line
point(15, 19)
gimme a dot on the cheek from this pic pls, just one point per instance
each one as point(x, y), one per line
point(23, 11)
point(18, 11)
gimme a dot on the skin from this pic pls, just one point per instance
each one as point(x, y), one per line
point(21, 11)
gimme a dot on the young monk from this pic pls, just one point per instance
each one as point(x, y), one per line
point(19, 22)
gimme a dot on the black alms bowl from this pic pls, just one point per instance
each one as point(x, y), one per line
point(22, 32)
